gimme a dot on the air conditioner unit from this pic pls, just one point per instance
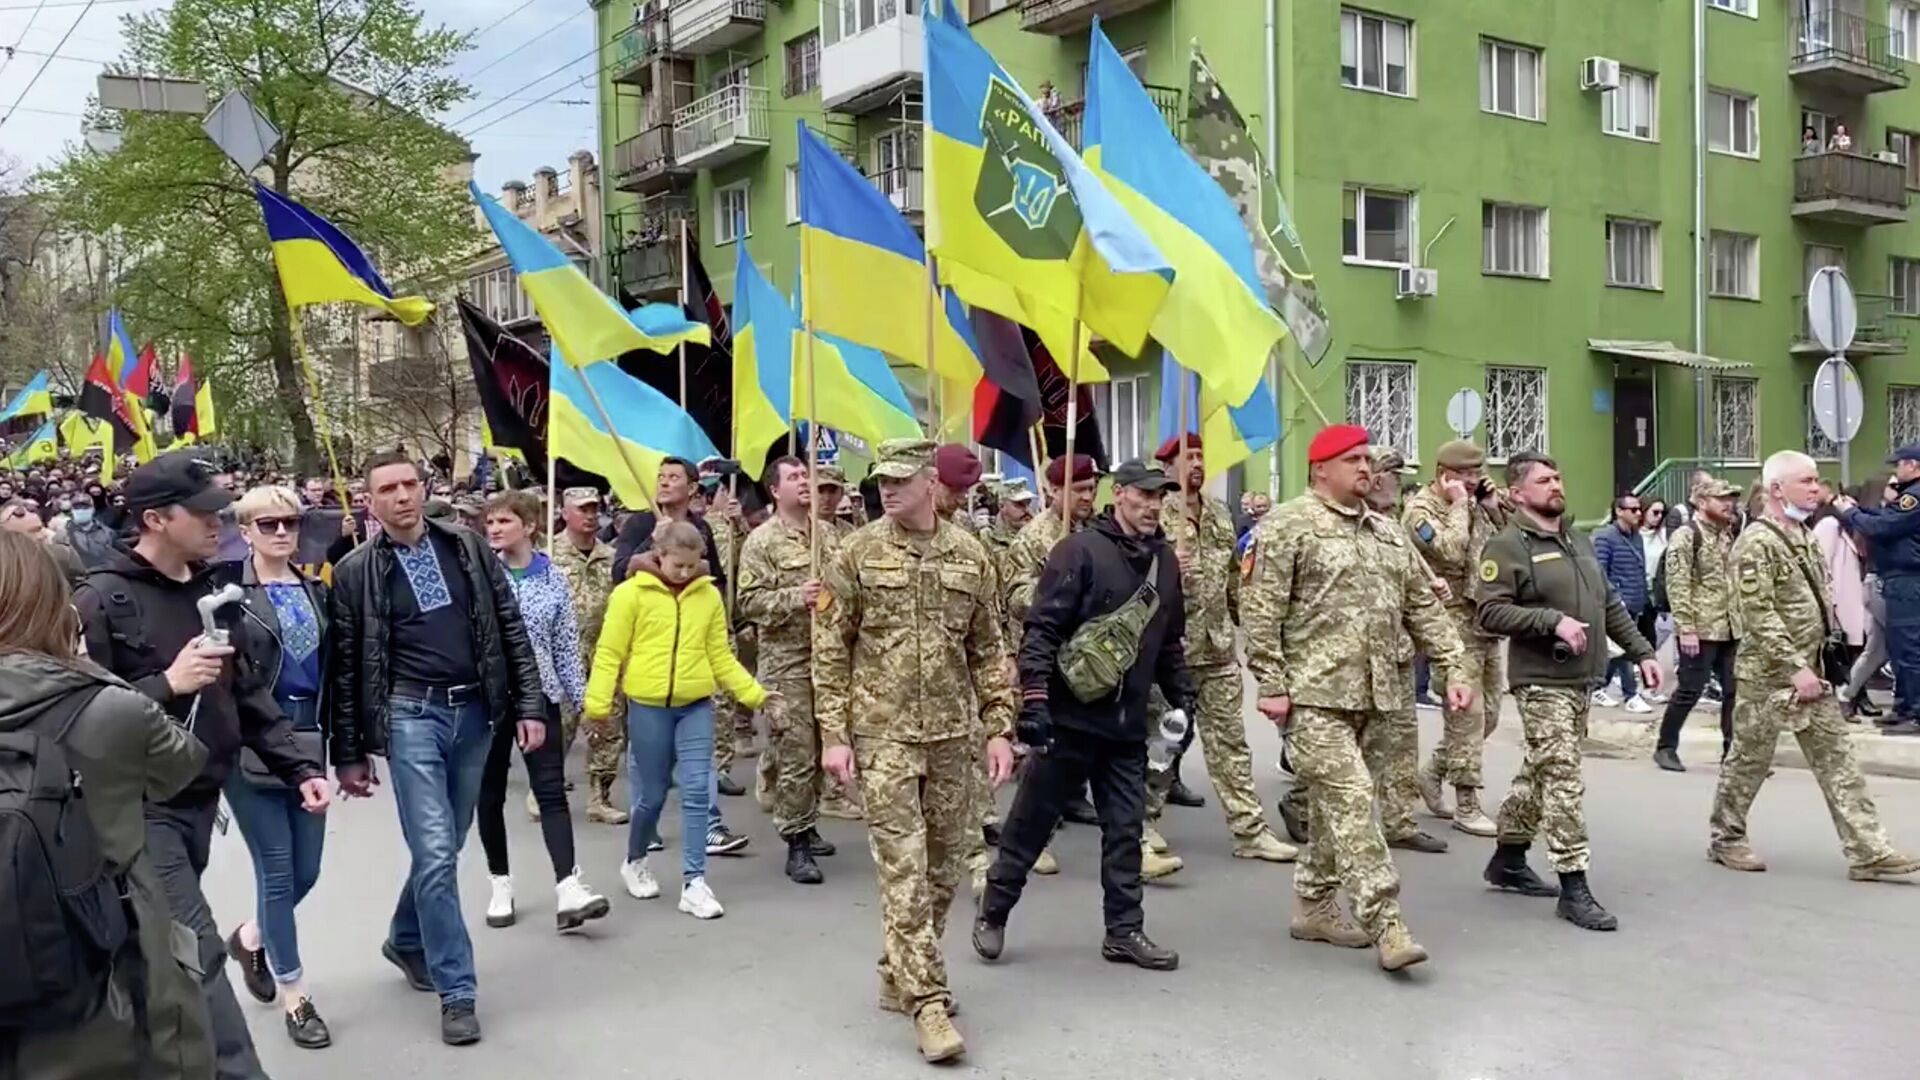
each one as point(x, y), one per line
point(1414, 282)
point(1887, 156)
point(1599, 73)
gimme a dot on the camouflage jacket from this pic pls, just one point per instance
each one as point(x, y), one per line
point(1212, 587)
point(727, 541)
point(775, 563)
point(1328, 592)
point(589, 577)
point(1452, 537)
point(1781, 606)
point(1700, 580)
point(907, 644)
point(1020, 569)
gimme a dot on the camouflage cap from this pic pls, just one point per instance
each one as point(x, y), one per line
point(580, 496)
point(1713, 488)
point(1460, 454)
point(903, 459)
point(825, 475)
point(1016, 491)
point(1386, 458)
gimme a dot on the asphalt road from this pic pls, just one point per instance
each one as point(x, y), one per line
point(1793, 973)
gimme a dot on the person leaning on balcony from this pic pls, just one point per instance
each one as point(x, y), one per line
point(1840, 142)
point(1809, 143)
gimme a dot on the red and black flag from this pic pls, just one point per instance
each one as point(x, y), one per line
point(1006, 400)
point(101, 399)
point(1053, 398)
point(185, 420)
point(511, 377)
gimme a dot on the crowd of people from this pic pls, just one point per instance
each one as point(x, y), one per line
point(907, 647)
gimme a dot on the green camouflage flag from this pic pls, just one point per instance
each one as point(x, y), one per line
point(1217, 137)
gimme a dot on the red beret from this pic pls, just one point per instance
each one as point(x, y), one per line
point(956, 466)
point(1334, 440)
point(1083, 469)
point(1171, 448)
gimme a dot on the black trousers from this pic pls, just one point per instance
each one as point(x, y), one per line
point(1714, 658)
point(1117, 774)
point(547, 776)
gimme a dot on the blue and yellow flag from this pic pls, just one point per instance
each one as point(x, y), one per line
point(1229, 434)
point(123, 364)
point(40, 446)
point(1019, 224)
point(855, 388)
point(647, 427)
point(1216, 319)
point(319, 264)
point(34, 399)
point(764, 330)
point(585, 324)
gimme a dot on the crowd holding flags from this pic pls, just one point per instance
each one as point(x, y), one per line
point(33, 399)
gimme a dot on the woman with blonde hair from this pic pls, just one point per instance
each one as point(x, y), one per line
point(61, 710)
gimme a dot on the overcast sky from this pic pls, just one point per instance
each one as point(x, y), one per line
point(553, 39)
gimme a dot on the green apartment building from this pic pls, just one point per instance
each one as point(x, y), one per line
point(1508, 196)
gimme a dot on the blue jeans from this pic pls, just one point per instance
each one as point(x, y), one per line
point(658, 737)
point(285, 842)
point(437, 755)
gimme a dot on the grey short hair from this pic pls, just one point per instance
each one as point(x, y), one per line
point(1775, 469)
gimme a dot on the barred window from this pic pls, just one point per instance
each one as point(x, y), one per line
point(1736, 419)
point(1380, 398)
point(1818, 445)
point(1903, 415)
point(803, 64)
point(1516, 411)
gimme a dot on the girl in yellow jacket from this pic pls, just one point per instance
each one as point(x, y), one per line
point(664, 644)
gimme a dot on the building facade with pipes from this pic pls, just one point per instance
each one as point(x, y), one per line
point(1496, 197)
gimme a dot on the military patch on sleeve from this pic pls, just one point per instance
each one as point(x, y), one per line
point(1424, 532)
point(1749, 578)
point(823, 601)
point(1907, 502)
point(1489, 570)
point(1246, 563)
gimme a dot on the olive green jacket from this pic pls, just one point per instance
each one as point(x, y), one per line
point(1529, 579)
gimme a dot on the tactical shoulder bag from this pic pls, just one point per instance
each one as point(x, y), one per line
point(1094, 662)
point(1836, 666)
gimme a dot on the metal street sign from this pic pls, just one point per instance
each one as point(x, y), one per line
point(1832, 314)
point(152, 93)
point(240, 131)
point(1464, 411)
point(1837, 402)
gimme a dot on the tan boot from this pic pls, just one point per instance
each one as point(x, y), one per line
point(1432, 794)
point(763, 778)
point(600, 808)
point(1266, 847)
point(1154, 840)
point(1467, 816)
point(1397, 947)
point(938, 1039)
point(1322, 920)
point(744, 746)
point(840, 802)
point(533, 807)
point(1737, 857)
point(890, 1000)
point(1886, 868)
point(1154, 866)
point(1046, 863)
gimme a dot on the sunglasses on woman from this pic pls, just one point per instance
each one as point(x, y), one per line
point(277, 524)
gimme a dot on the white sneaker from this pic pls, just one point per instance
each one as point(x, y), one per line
point(500, 904)
point(697, 900)
point(639, 879)
point(576, 902)
point(1655, 697)
point(1604, 699)
point(1638, 704)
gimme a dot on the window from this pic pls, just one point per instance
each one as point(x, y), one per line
point(1378, 226)
point(1516, 411)
point(1818, 445)
point(730, 221)
point(1733, 123)
point(1738, 7)
point(1633, 253)
point(1905, 19)
point(803, 64)
point(1903, 415)
point(498, 293)
point(1380, 398)
point(1821, 125)
point(1736, 265)
point(1124, 408)
point(793, 194)
point(1817, 257)
point(1905, 145)
point(1903, 281)
point(864, 15)
point(1634, 109)
point(1736, 419)
point(1514, 240)
point(896, 166)
point(1510, 79)
point(980, 9)
point(1376, 53)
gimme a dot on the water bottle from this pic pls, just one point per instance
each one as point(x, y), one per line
point(1164, 744)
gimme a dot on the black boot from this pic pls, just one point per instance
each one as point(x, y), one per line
point(1508, 870)
point(1578, 906)
point(820, 846)
point(1136, 948)
point(989, 939)
point(1865, 707)
point(1295, 823)
point(801, 869)
point(1178, 793)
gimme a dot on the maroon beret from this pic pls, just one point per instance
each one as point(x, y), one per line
point(1083, 469)
point(956, 466)
point(1171, 448)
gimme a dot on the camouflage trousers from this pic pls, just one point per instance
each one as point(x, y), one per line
point(606, 740)
point(1345, 847)
point(793, 747)
point(919, 810)
point(1546, 794)
point(1221, 727)
point(729, 718)
point(1463, 742)
point(1822, 733)
point(1391, 751)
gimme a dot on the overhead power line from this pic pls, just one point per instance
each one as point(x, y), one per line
point(42, 70)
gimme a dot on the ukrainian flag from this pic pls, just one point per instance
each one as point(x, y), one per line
point(34, 399)
point(1216, 317)
point(1018, 223)
point(855, 391)
point(1229, 434)
point(585, 324)
point(122, 362)
point(319, 264)
point(41, 447)
point(647, 427)
point(764, 330)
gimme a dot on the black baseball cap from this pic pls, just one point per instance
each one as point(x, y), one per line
point(1145, 475)
point(181, 478)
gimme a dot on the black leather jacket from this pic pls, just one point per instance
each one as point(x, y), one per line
point(360, 637)
point(267, 649)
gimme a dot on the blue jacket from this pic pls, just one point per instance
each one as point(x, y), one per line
point(1893, 531)
point(1625, 564)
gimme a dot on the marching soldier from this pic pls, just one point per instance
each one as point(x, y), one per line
point(1334, 601)
point(586, 562)
point(1699, 563)
point(910, 673)
point(829, 484)
point(1782, 612)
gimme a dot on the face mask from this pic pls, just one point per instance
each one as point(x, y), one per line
point(1795, 513)
point(82, 515)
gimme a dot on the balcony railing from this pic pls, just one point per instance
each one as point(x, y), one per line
point(705, 26)
point(1849, 189)
point(643, 159)
point(646, 244)
point(1877, 330)
point(1071, 16)
point(1069, 118)
point(902, 186)
point(725, 125)
point(1845, 51)
point(635, 49)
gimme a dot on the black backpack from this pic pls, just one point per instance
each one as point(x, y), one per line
point(63, 912)
point(1662, 604)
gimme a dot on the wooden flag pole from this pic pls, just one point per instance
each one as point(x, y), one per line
point(1073, 423)
point(813, 413)
point(600, 410)
point(934, 380)
point(319, 409)
point(1037, 454)
point(686, 286)
point(1306, 395)
point(553, 494)
point(1180, 460)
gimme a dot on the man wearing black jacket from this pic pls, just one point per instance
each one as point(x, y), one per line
point(1102, 743)
point(672, 496)
point(142, 623)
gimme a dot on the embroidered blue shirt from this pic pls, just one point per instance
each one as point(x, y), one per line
point(299, 675)
point(430, 617)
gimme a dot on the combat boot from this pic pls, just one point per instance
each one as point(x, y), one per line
point(1293, 815)
point(1397, 948)
point(1508, 870)
point(1266, 847)
point(801, 869)
point(1736, 857)
point(938, 1039)
point(1154, 866)
point(1136, 948)
point(1047, 865)
point(820, 846)
point(989, 940)
point(600, 807)
point(1431, 792)
point(1886, 868)
point(839, 802)
point(1152, 838)
point(891, 1001)
point(1578, 906)
point(1467, 816)
point(1178, 793)
point(1419, 841)
point(1322, 920)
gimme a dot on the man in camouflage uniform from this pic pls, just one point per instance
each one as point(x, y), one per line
point(733, 725)
point(1202, 535)
point(956, 470)
point(1782, 615)
point(1334, 602)
point(910, 674)
point(1016, 509)
point(1450, 521)
point(586, 562)
point(1699, 568)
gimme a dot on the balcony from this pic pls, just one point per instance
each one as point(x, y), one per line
point(724, 126)
point(635, 50)
point(1071, 16)
point(864, 59)
point(1878, 331)
point(1844, 53)
point(1069, 117)
point(707, 26)
point(645, 162)
point(1849, 189)
point(903, 188)
point(646, 246)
